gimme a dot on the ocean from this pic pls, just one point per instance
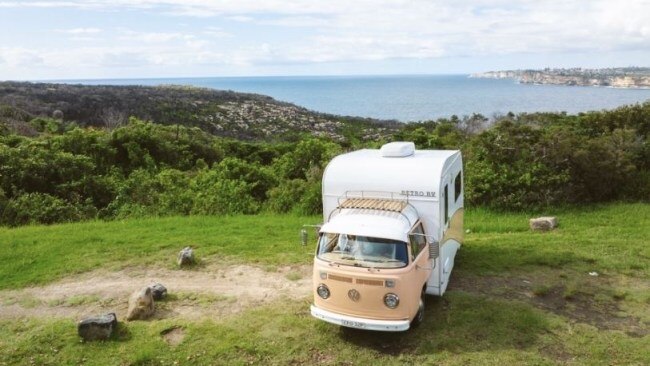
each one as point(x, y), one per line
point(410, 98)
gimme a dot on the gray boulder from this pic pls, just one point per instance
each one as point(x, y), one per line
point(158, 291)
point(186, 257)
point(544, 223)
point(97, 328)
point(141, 305)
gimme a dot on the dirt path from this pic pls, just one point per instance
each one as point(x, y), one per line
point(213, 291)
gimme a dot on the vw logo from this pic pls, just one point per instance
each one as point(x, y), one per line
point(354, 295)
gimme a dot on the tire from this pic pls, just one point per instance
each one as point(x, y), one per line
point(419, 317)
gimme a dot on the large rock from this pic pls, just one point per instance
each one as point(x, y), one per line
point(141, 305)
point(97, 328)
point(186, 257)
point(545, 223)
point(158, 291)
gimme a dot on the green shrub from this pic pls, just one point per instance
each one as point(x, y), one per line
point(222, 197)
point(286, 195)
point(42, 208)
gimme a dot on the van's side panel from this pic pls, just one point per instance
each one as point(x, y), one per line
point(452, 234)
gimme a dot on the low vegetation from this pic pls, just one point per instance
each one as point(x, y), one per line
point(64, 172)
point(492, 313)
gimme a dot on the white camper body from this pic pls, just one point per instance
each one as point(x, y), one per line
point(429, 181)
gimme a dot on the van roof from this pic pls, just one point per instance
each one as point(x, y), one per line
point(373, 222)
point(368, 170)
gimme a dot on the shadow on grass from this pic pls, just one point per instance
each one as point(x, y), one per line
point(459, 322)
point(121, 333)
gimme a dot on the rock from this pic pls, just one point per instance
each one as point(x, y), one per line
point(97, 328)
point(141, 305)
point(543, 223)
point(593, 274)
point(158, 291)
point(186, 257)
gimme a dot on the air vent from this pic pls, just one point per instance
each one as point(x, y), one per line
point(399, 149)
point(339, 278)
point(361, 281)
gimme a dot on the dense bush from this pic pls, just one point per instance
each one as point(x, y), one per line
point(43, 208)
point(67, 173)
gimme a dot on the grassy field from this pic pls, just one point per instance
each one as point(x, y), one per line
point(516, 297)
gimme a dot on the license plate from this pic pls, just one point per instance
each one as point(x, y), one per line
point(352, 324)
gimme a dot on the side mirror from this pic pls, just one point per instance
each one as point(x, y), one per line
point(304, 236)
point(434, 250)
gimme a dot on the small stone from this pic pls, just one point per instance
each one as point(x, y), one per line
point(545, 223)
point(593, 274)
point(158, 291)
point(186, 257)
point(97, 328)
point(141, 305)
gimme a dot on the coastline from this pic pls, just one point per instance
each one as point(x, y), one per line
point(618, 78)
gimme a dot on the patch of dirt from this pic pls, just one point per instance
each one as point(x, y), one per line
point(212, 291)
point(173, 336)
point(581, 304)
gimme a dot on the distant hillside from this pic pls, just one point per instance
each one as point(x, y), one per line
point(626, 77)
point(222, 113)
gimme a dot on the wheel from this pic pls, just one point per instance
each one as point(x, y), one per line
point(419, 317)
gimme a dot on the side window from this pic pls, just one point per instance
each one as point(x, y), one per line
point(446, 194)
point(418, 241)
point(458, 186)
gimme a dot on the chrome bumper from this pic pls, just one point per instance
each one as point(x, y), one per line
point(360, 323)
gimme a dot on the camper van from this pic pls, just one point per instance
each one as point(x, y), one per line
point(392, 224)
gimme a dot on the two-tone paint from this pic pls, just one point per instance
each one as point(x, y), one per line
point(356, 294)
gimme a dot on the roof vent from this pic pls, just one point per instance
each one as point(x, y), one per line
point(398, 149)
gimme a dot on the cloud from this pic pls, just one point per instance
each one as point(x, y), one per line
point(80, 31)
point(241, 18)
point(217, 32)
point(21, 57)
point(337, 31)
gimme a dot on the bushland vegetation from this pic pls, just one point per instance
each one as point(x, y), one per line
point(55, 169)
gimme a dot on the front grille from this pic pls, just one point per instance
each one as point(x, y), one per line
point(362, 281)
point(339, 278)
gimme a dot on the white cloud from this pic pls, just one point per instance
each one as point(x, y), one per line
point(241, 18)
point(334, 31)
point(80, 31)
point(21, 57)
point(217, 32)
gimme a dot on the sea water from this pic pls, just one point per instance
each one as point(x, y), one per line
point(411, 97)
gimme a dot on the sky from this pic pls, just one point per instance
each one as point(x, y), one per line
point(99, 39)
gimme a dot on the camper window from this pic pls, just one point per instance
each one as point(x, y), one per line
point(458, 186)
point(418, 240)
point(446, 194)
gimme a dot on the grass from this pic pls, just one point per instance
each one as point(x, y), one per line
point(34, 255)
point(605, 239)
point(516, 297)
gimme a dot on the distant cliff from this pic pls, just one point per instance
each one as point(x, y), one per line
point(627, 77)
point(219, 112)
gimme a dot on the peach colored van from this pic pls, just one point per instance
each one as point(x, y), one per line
point(393, 221)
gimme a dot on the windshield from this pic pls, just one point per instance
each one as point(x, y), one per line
point(362, 251)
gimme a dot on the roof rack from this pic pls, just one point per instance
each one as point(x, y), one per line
point(373, 200)
point(374, 204)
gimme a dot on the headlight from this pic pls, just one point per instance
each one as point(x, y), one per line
point(391, 300)
point(323, 291)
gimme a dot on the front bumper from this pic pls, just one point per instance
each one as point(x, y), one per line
point(360, 323)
